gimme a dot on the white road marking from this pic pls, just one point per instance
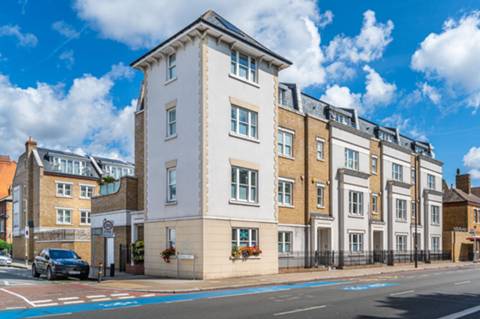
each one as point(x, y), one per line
point(174, 301)
point(402, 293)
point(126, 297)
point(462, 282)
point(73, 302)
point(96, 296)
point(47, 304)
point(101, 299)
point(298, 310)
point(11, 308)
point(119, 295)
point(463, 313)
point(42, 301)
point(18, 295)
point(148, 295)
point(68, 298)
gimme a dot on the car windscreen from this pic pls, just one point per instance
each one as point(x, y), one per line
point(62, 254)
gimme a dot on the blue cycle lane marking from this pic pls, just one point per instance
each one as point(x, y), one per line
point(369, 286)
point(56, 310)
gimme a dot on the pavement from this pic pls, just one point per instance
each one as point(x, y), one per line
point(435, 292)
point(156, 285)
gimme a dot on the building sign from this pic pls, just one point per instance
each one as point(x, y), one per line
point(27, 232)
point(107, 228)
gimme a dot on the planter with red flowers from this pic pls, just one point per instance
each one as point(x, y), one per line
point(245, 252)
point(167, 253)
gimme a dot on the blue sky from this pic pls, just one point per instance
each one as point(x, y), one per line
point(65, 80)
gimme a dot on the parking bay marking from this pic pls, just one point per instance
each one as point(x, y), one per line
point(369, 286)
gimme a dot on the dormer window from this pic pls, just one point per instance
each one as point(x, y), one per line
point(243, 66)
point(340, 118)
point(282, 96)
point(386, 136)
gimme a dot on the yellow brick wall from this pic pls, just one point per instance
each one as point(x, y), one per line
point(293, 168)
point(375, 179)
point(318, 170)
point(49, 201)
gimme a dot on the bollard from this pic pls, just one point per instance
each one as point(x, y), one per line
point(100, 272)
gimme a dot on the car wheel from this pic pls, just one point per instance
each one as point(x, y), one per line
point(35, 274)
point(50, 275)
point(84, 277)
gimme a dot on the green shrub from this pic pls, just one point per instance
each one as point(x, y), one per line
point(138, 251)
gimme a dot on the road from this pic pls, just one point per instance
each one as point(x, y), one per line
point(422, 294)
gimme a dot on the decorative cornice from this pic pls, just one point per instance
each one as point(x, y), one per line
point(351, 172)
point(398, 184)
point(432, 192)
point(431, 160)
point(396, 146)
point(321, 216)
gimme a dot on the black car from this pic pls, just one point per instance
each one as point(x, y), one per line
point(55, 262)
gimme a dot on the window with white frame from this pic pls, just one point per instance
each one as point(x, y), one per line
point(69, 166)
point(85, 217)
point(282, 96)
point(285, 143)
point(435, 214)
point(397, 172)
point(431, 181)
point(171, 184)
point(435, 243)
point(320, 195)
point(375, 202)
point(171, 67)
point(320, 149)
point(355, 203)
point(86, 191)
point(244, 185)
point(171, 237)
point(386, 136)
point(243, 66)
point(351, 159)
point(285, 242)
point(401, 209)
point(414, 209)
point(244, 122)
point(172, 122)
point(374, 165)
point(476, 215)
point(64, 216)
point(401, 242)
point(285, 189)
point(413, 175)
point(356, 242)
point(244, 237)
point(64, 189)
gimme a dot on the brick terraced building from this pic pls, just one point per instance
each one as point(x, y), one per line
point(51, 199)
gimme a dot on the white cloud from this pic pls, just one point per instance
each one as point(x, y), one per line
point(68, 58)
point(378, 92)
point(367, 46)
point(431, 93)
point(405, 127)
point(471, 160)
point(65, 29)
point(24, 39)
point(341, 96)
point(80, 117)
point(451, 56)
point(325, 19)
point(287, 27)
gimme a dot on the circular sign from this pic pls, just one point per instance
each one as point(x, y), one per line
point(107, 225)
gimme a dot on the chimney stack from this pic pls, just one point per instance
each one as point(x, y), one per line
point(463, 182)
point(30, 145)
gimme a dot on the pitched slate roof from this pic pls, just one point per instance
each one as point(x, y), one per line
point(455, 195)
point(218, 22)
point(476, 191)
point(46, 153)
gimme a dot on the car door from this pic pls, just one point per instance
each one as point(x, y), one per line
point(41, 261)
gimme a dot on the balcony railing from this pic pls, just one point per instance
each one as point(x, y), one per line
point(347, 258)
point(110, 188)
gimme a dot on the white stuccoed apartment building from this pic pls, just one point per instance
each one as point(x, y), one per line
point(212, 110)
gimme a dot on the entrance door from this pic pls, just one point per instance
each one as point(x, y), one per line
point(324, 254)
point(110, 251)
point(378, 253)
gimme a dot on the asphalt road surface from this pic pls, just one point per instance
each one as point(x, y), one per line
point(446, 294)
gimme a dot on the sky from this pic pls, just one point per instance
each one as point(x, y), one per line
point(65, 78)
